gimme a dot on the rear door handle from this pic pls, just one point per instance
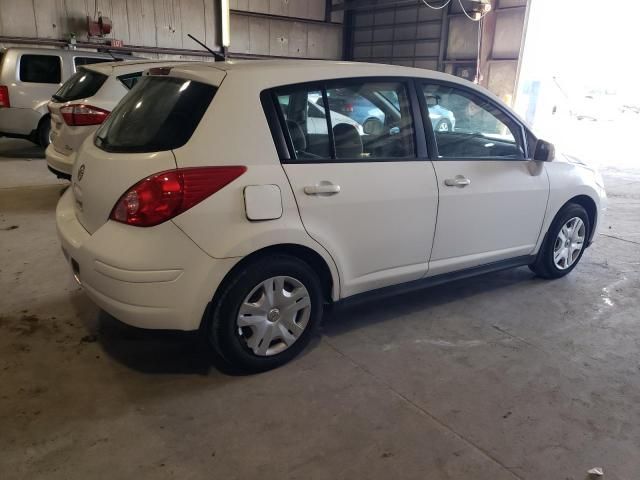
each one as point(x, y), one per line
point(322, 189)
point(458, 181)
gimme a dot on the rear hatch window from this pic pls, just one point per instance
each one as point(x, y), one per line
point(83, 84)
point(158, 114)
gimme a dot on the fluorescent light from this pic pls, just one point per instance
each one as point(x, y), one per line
point(226, 23)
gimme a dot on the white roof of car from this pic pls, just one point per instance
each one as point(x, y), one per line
point(283, 72)
point(263, 74)
point(130, 66)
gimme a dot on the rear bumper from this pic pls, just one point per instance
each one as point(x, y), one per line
point(60, 164)
point(154, 278)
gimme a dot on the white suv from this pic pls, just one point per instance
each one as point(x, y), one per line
point(204, 202)
point(84, 101)
point(28, 78)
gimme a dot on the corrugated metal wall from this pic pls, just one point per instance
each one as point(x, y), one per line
point(403, 35)
point(151, 23)
point(258, 27)
point(409, 33)
point(261, 27)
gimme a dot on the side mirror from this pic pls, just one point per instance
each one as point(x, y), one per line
point(545, 151)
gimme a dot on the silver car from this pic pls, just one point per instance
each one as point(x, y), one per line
point(28, 78)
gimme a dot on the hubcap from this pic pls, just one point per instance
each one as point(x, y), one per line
point(274, 315)
point(443, 127)
point(569, 243)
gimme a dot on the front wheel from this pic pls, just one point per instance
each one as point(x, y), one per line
point(565, 243)
point(373, 126)
point(266, 313)
point(444, 126)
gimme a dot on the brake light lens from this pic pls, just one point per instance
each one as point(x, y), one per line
point(348, 108)
point(4, 97)
point(163, 196)
point(82, 115)
point(160, 71)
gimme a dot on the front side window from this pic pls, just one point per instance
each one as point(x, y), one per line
point(466, 125)
point(367, 120)
point(40, 69)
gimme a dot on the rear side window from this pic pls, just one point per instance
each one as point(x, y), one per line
point(79, 61)
point(352, 120)
point(82, 84)
point(159, 113)
point(40, 69)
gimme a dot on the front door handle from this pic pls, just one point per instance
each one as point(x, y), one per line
point(458, 181)
point(323, 188)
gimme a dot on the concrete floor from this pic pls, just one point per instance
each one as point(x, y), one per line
point(499, 377)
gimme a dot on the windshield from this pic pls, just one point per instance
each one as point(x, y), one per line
point(159, 113)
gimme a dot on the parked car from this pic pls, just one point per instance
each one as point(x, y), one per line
point(317, 122)
point(28, 78)
point(362, 107)
point(204, 203)
point(84, 101)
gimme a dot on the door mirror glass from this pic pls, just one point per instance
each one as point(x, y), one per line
point(545, 151)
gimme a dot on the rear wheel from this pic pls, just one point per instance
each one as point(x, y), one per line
point(565, 243)
point(266, 313)
point(43, 133)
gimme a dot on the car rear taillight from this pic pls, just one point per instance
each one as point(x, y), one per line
point(4, 97)
point(82, 115)
point(162, 196)
point(348, 107)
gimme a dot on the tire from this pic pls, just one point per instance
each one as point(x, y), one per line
point(43, 132)
point(443, 126)
point(373, 126)
point(230, 333)
point(546, 265)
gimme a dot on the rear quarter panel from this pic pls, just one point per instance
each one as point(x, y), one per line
point(234, 131)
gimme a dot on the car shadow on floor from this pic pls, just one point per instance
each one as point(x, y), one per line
point(350, 317)
point(154, 351)
point(17, 148)
point(174, 352)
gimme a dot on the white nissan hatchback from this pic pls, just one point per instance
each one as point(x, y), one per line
point(206, 202)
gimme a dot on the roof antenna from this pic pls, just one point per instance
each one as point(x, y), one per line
point(116, 59)
point(216, 55)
